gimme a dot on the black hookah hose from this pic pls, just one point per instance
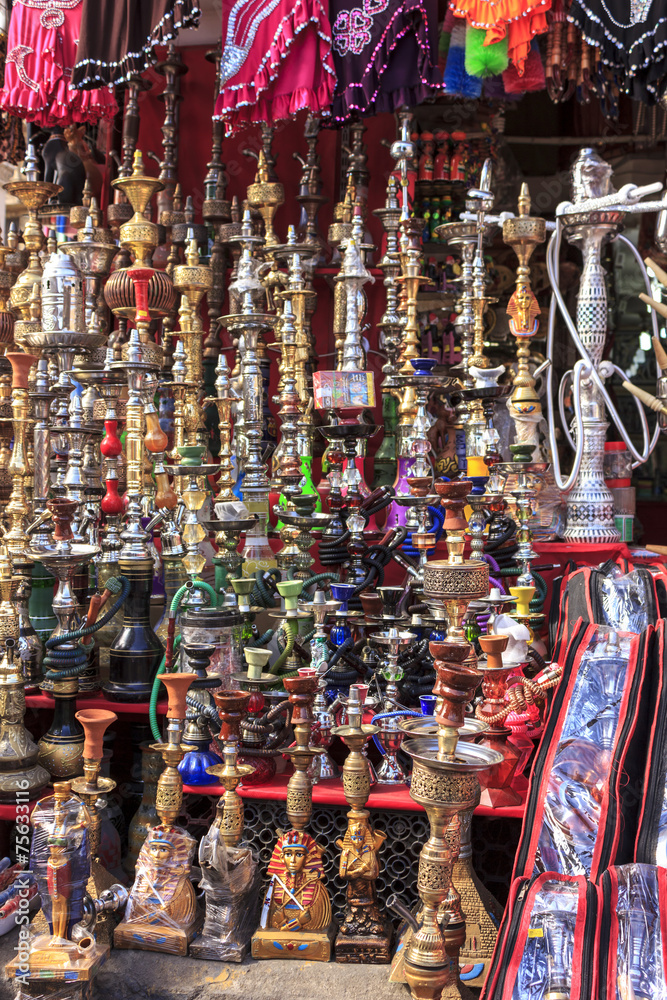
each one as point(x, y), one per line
point(61, 664)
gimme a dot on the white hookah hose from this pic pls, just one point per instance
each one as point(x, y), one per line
point(553, 251)
point(552, 269)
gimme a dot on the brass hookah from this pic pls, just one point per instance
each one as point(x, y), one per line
point(444, 782)
point(364, 935)
point(176, 919)
point(93, 788)
point(524, 233)
point(454, 582)
point(172, 68)
point(266, 194)
point(390, 326)
point(15, 537)
point(33, 194)
point(193, 280)
point(227, 929)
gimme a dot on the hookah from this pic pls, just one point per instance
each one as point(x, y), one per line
point(295, 924)
point(93, 259)
point(162, 913)
point(15, 536)
point(444, 781)
point(230, 875)
point(20, 771)
point(325, 720)
point(61, 746)
point(453, 583)
point(524, 233)
point(249, 323)
point(590, 221)
point(33, 194)
point(64, 946)
point(390, 325)
point(92, 788)
point(390, 734)
point(364, 935)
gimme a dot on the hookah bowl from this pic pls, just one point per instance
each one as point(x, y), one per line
point(497, 790)
point(444, 781)
point(390, 733)
point(60, 749)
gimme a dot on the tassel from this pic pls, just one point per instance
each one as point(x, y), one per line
point(533, 74)
point(484, 60)
point(457, 81)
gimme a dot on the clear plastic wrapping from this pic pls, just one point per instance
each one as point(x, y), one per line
point(625, 602)
point(579, 778)
point(546, 963)
point(640, 955)
point(232, 883)
point(161, 911)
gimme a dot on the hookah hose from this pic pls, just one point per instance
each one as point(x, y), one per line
point(262, 595)
point(332, 551)
point(378, 557)
point(392, 715)
point(173, 644)
point(524, 692)
point(63, 663)
point(262, 640)
point(437, 525)
point(319, 577)
point(291, 628)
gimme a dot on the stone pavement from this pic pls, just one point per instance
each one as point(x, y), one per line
point(144, 975)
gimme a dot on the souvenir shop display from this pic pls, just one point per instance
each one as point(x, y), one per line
point(327, 422)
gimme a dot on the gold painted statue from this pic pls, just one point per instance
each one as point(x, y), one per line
point(360, 866)
point(162, 906)
point(296, 916)
point(298, 897)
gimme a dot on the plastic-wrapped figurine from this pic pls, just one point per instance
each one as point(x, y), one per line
point(296, 915)
point(232, 883)
point(60, 861)
point(161, 913)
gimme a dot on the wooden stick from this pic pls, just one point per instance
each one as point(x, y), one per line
point(660, 549)
point(660, 354)
point(646, 398)
point(657, 270)
point(659, 307)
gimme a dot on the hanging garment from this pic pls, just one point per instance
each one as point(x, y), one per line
point(276, 60)
point(12, 141)
point(632, 37)
point(520, 20)
point(117, 37)
point(41, 48)
point(385, 54)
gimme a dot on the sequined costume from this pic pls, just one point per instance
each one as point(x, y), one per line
point(41, 49)
point(385, 54)
point(632, 37)
point(118, 36)
point(520, 20)
point(276, 60)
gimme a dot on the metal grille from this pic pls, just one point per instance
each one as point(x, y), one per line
point(494, 844)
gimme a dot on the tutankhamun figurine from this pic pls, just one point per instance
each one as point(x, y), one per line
point(162, 912)
point(296, 915)
point(364, 935)
point(523, 233)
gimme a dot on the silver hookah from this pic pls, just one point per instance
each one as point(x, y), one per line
point(323, 766)
point(589, 222)
point(354, 275)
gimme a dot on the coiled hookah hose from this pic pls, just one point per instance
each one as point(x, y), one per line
point(61, 664)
